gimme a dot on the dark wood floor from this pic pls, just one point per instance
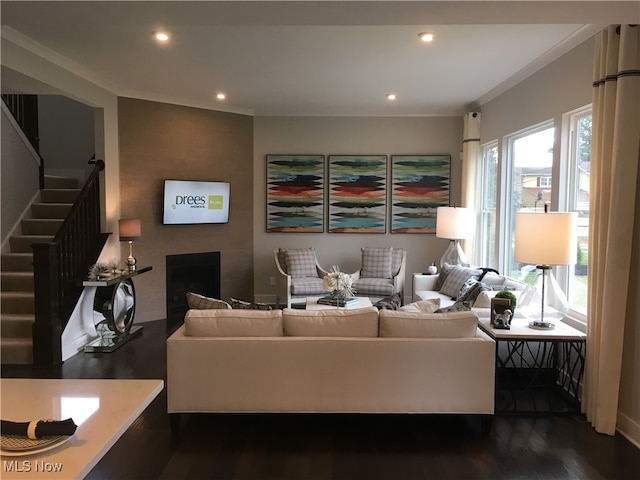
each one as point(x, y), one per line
point(338, 447)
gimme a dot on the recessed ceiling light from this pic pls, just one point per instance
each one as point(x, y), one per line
point(391, 96)
point(161, 36)
point(221, 96)
point(426, 37)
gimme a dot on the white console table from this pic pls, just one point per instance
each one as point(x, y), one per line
point(102, 409)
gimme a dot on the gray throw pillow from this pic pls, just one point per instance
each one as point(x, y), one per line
point(200, 302)
point(456, 307)
point(456, 278)
point(244, 305)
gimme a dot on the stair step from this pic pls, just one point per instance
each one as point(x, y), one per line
point(50, 210)
point(22, 243)
point(59, 195)
point(41, 226)
point(17, 302)
point(17, 262)
point(16, 351)
point(17, 325)
point(16, 281)
point(54, 181)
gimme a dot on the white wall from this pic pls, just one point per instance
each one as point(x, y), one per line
point(563, 86)
point(20, 169)
point(66, 134)
point(348, 135)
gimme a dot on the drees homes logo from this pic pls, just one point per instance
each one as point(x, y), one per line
point(210, 202)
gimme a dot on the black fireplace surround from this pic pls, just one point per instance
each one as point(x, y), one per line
point(190, 272)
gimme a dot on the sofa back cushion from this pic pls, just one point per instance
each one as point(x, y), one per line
point(300, 262)
point(377, 263)
point(334, 322)
point(401, 324)
point(233, 323)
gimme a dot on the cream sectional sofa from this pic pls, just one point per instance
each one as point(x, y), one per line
point(335, 360)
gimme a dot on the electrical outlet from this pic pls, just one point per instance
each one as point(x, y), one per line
point(272, 281)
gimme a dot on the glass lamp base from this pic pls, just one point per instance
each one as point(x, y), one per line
point(454, 255)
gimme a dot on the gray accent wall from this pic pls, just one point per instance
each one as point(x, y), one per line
point(349, 135)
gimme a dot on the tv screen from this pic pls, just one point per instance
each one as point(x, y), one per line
point(189, 202)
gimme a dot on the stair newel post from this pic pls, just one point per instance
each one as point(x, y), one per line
point(47, 328)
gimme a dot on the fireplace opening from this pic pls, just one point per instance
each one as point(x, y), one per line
point(190, 272)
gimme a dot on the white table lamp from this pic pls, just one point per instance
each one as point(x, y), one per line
point(454, 223)
point(544, 240)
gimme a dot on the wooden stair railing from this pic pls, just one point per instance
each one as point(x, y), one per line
point(59, 266)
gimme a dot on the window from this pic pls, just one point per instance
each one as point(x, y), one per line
point(578, 162)
point(517, 174)
point(488, 192)
point(529, 160)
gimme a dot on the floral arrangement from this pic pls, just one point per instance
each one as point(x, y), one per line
point(340, 284)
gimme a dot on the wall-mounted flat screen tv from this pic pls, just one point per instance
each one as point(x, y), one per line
point(189, 202)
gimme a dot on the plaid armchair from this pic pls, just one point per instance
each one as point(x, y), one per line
point(298, 275)
point(381, 273)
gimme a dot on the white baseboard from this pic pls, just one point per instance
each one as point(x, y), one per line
point(628, 428)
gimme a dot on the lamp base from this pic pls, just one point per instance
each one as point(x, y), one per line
point(454, 255)
point(542, 325)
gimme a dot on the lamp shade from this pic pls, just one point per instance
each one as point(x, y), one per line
point(129, 229)
point(546, 238)
point(454, 223)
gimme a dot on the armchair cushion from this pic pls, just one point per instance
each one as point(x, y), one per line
point(374, 287)
point(307, 286)
point(376, 263)
point(301, 262)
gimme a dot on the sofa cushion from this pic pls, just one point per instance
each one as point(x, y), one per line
point(374, 287)
point(427, 325)
point(376, 263)
point(338, 322)
point(301, 262)
point(455, 279)
point(422, 306)
point(233, 323)
point(391, 302)
point(200, 302)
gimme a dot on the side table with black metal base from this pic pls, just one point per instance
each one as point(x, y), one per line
point(115, 304)
point(537, 371)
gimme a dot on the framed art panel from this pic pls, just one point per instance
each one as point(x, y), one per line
point(420, 185)
point(295, 193)
point(358, 192)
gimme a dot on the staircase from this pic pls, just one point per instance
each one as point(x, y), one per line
point(16, 295)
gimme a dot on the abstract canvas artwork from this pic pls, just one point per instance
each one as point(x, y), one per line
point(357, 195)
point(420, 184)
point(295, 193)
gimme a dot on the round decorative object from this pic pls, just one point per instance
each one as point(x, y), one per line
point(117, 304)
point(432, 269)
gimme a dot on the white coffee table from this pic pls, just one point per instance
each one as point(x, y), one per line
point(102, 409)
point(360, 302)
